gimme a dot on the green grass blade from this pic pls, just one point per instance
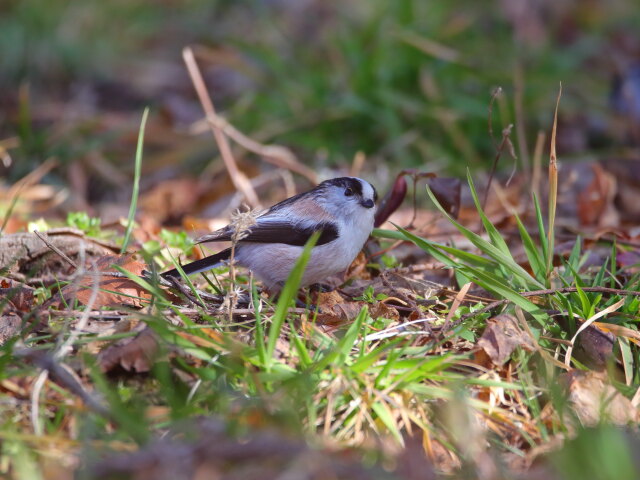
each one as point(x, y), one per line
point(505, 260)
point(339, 353)
point(154, 290)
point(388, 234)
point(613, 267)
point(377, 354)
point(136, 183)
point(436, 249)
point(286, 296)
point(544, 242)
point(300, 347)
point(383, 413)
point(259, 335)
point(492, 231)
point(495, 285)
point(535, 257)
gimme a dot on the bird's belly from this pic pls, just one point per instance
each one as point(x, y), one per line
point(272, 263)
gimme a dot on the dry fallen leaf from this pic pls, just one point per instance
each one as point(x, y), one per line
point(502, 336)
point(112, 291)
point(447, 191)
point(339, 313)
point(594, 399)
point(133, 354)
point(10, 323)
point(381, 309)
point(21, 296)
point(595, 203)
point(170, 200)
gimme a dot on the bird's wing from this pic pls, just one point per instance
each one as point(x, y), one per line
point(277, 231)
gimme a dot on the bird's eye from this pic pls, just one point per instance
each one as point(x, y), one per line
point(348, 192)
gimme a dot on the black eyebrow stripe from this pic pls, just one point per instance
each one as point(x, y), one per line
point(345, 182)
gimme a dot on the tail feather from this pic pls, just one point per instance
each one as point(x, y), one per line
point(199, 265)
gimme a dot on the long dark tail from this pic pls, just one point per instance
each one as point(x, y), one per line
point(201, 265)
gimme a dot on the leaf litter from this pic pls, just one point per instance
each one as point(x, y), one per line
point(406, 302)
point(416, 382)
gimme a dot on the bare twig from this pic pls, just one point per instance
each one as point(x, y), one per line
point(35, 402)
point(55, 366)
point(239, 179)
point(505, 142)
point(65, 347)
point(521, 126)
point(275, 154)
point(56, 250)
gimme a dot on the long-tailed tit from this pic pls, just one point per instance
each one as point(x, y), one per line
point(342, 209)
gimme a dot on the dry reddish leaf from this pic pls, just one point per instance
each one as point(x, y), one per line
point(21, 296)
point(339, 313)
point(148, 229)
point(113, 291)
point(384, 310)
point(328, 299)
point(447, 191)
point(595, 203)
point(10, 323)
point(170, 200)
point(594, 399)
point(594, 347)
point(357, 269)
point(629, 260)
point(133, 354)
point(335, 313)
point(391, 200)
point(502, 336)
point(626, 172)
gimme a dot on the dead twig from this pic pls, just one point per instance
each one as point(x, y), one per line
point(275, 154)
point(506, 142)
point(56, 250)
point(239, 179)
point(61, 373)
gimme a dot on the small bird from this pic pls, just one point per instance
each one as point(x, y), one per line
point(342, 209)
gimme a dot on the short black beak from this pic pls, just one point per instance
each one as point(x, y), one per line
point(367, 203)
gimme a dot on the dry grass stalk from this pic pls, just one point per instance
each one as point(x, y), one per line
point(553, 184)
point(239, 179)
point(275, 154)
point(537, 164)
point(241, 221)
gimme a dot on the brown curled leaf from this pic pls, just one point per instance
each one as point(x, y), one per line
point(502, 336)
point(113, 291)
point(392, 200)
point(134, 354)
point(447, 192)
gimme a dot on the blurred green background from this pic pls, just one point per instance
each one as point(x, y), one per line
point(406, 82)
